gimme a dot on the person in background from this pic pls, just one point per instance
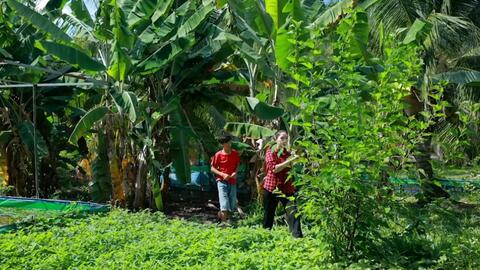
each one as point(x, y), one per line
point(224, 165)
point(276, 187)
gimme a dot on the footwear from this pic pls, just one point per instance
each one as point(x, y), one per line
point(230, 222)
point(224, 224)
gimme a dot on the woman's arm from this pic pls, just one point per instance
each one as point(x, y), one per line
point(281, 166)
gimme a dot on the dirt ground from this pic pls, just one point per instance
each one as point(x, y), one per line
point(193, 205)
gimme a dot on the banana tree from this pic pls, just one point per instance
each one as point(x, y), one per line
point(262, 46)
point(177, 48)
point(21, 62)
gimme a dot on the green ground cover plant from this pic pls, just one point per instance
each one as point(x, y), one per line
point(440, 235)
point(122, 240)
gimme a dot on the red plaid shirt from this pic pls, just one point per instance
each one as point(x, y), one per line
point(274, 180)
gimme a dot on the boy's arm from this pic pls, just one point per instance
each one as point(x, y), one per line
point(219, 173)
point(213, 168)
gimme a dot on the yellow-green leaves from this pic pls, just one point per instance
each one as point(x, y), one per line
point(87, 122)
point(120, 65)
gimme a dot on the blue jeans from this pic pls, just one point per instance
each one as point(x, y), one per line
point(227, 196)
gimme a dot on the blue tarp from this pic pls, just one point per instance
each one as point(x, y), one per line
point(203, 179)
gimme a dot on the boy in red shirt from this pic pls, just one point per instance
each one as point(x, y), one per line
point(224, 165)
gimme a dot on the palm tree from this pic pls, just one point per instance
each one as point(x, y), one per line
point(449, 35)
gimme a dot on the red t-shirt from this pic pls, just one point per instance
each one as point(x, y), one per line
point(226, 163)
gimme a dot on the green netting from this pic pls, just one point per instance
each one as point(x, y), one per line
point(443, 182)
point(27, 207)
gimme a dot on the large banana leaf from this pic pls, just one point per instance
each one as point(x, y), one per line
point(127, 102)
point(263, 110)
point(5, 137)
point(475, 52)
point(359, 37)
point(296, 10)
point(157, 193)
point(87, 122)
point(180, 135)
point(130, 104)
point(120, 65)
point(196, 19)
point(254, 15)
point(103, 28)
point(170, 106)
point(464, 77)
point(163, 6)
point(153, 33)
point(283, 49)
point(283, 38)
point(367, 3)
point(54, 5)
point(247, 52)
point(332, 14)
point(5, 54)
point(310, 9)
point(240, 146)
point(70, 55)
point(79, 9)
point(165, 55)
point(249, 130)
point(124, 38)
point(26, 131)
point(39, 21)
point(275, 8)
point(418, 29)
point(139, 10)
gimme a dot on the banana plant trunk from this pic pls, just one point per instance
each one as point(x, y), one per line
point(141, 182)
point(18, 168)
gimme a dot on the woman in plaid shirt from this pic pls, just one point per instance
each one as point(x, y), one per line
point(275, 186)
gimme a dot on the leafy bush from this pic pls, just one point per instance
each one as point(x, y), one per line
point(352, 125)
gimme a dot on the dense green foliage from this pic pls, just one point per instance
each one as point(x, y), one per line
point(441, 237)
point(366, 90)
point(123, 240)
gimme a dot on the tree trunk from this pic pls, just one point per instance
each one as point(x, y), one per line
point(129, 172)
point(141, 182)
point(150, 199)
point(165, 185)
point(18, 169)
point(423, 161)
point(424, 166)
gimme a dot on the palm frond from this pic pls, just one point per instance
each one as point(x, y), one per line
point(463, 8)
point(392, 17)
point(452, 36)
point(471, 59)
